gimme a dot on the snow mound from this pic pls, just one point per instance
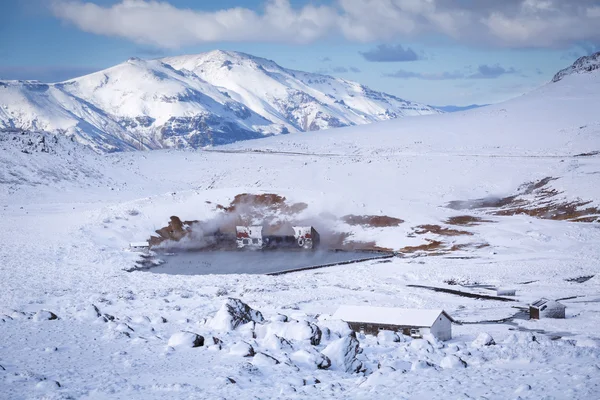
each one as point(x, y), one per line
point(186, 339)
point(311, 358)
point(293, 330)
point(242, 349)
point(484, 339)
point(44, 315)
point(452, 362)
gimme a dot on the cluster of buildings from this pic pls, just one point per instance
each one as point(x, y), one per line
point(419, 322)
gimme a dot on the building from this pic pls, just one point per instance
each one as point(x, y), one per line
point(506, 292)
point(545, 308)
point(139, 246)
point(249, 237)
point(277, 237)
point(410, 322)
point(307, 237)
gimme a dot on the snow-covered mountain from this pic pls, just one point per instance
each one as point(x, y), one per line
point(582, 65)
point(193, 101)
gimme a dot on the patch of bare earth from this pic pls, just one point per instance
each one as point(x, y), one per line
point(440, 248)
point(536, 199)
point(466, 220)
point(372, 221)
point(439, 230)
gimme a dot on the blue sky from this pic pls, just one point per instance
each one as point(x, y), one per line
point(437, 55)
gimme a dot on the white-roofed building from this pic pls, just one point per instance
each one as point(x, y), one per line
point(408, 321)
point(546, 308)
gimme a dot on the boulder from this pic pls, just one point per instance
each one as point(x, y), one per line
point(88, 312)
point(311, 358)
point(293, 330)
point(421, 346)
point(47, 385)
point(422, 364)
point(44, 315)
point(387, 337)
point(242, 349)
point(234, 313)
point(274, 342)
point(262, 359)
point(484, 339)
point(452, 362)
point(186, 339)
point(342, 353)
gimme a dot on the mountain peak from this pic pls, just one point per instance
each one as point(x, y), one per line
point(583, 64)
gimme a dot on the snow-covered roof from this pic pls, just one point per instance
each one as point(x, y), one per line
point(389, 315)
point(550, 303)
point(139, 244)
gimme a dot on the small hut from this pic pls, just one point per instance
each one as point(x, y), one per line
point(139, 246)
point(545, 308)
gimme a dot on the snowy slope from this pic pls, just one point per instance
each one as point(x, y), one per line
point(193, 101)
point(559, 118)
point(64, 239)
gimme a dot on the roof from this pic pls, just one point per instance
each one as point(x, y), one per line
point(550, 303)
point(139, 244)
point(389, 315)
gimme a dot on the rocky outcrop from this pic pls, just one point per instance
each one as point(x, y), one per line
point(234, 313)
point(44, 315)
point(343, 352)
point(186, 339)
point(583, 65)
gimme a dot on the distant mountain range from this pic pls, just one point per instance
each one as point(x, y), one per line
point(451, 109)
point(193, 101)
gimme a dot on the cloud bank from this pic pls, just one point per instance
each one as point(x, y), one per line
point(507, 23)
point(483, 72)
point(390, 53)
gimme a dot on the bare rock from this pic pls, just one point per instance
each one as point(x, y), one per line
point(44, 315)
point(483, 340)
point(342, 353)
point(234, 313)
point(186, 339)
point(242, 349)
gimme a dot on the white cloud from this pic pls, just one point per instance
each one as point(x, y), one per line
point(509, 23)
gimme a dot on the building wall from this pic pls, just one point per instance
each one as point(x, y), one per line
point(442, 328)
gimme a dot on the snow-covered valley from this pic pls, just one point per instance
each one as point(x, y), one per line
point(524, 171)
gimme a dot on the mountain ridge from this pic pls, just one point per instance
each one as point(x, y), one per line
point(193, 101)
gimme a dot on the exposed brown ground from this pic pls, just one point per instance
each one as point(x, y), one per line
point(466, 220)
point(431, 245)
point(175, 231)
point(373, 221)
point(439, 230)
point(536, 199)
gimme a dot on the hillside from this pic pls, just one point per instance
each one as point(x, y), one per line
point(192, 101)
